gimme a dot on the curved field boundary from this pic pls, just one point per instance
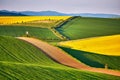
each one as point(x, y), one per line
point(66, 21)
point(63, 58)
point(57, 33)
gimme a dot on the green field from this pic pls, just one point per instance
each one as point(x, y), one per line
point(90, 27)
point(93, 59)
point(17, 31)
point(20, 60)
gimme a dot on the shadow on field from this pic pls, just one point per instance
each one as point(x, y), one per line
point(84, 57)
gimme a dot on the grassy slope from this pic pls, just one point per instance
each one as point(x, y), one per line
point(25, 72)
point(14, 50)
point(16, 31)
point(20, 60)
point(93, 59)
point(90, 27)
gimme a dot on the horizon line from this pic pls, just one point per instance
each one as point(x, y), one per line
point(59, 12)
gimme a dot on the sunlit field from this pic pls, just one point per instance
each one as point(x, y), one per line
point(107, 45)
point(6, 20)
point(22, 60)
point(85, 27)
point(37, 26)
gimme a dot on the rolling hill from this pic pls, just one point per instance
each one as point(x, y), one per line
point(41, 27)
point(20, 60)
point(17, 31)
point(96, 51)
point(107, 45)
point(80, 28)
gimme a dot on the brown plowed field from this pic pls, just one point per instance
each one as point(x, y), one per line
point(63, 58)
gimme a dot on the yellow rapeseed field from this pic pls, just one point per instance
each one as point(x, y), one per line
point(107, 45)
point(6, 20)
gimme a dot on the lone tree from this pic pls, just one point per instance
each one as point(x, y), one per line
point(27, 33)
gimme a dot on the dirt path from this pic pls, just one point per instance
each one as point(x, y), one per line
point(63, 58)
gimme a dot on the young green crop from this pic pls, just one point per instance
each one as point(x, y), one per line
point(14, 50)
point(29, 72)
point(93, 59)
point(22, 61)
point(90, 27)
point(17, 31)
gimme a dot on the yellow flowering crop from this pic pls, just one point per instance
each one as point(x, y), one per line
point(4, 20)
point(107, 45)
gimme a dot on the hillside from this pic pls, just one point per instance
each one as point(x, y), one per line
point(79, 28)
point(17, 31)
point(107, 45)
point(96, 51)
point(20, 60)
